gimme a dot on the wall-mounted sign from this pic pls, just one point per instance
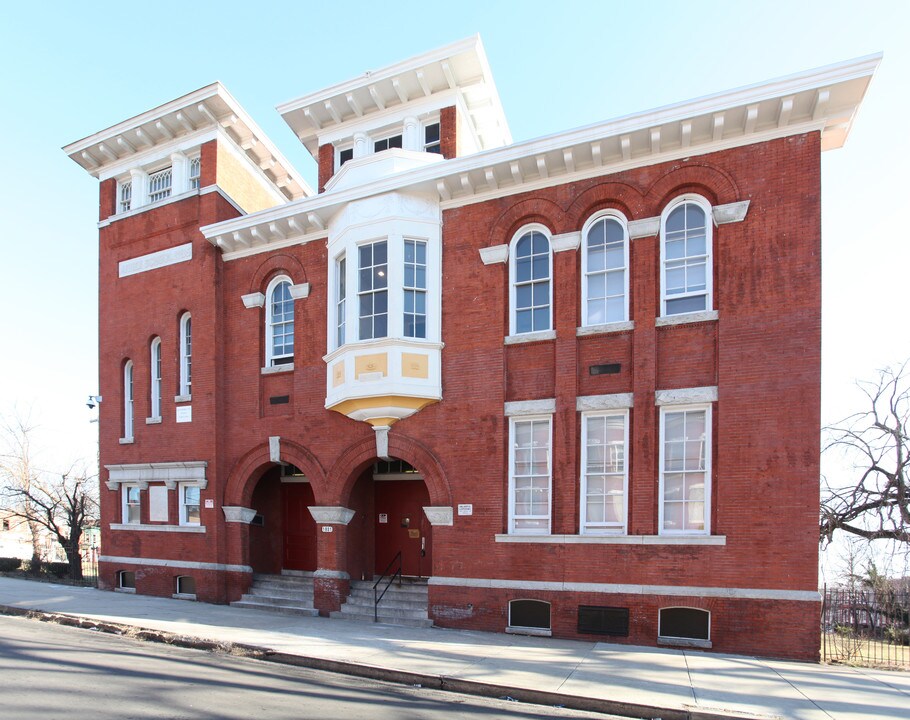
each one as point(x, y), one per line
point(466, 509)
point(326, 528)
point(383, 518)
point(414, 534)
point(209, 504)
point(185, 413)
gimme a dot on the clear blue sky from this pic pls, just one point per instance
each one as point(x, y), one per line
point(71, 69)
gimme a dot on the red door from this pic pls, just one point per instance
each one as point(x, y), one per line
point(401, 525)
point(299, 527)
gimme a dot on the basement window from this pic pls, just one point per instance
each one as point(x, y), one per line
point(186, 587)
point(126, 581)
point(529, 617)
point(690, 627)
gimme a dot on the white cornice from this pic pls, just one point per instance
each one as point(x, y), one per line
point(752, 115)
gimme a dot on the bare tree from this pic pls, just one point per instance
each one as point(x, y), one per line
point(876, 504)
point(17, 471)
point(64, 507)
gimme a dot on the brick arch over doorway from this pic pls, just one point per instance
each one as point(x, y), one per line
point(345, 471)
point(249, 469)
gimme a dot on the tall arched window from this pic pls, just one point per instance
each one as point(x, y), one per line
point(605, 277)
point(155, 388)
point(532, 293)
point(279, 323)
point(186, 355)
point(128, 400)
point(685, 253)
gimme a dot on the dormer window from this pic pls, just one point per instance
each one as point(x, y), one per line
point(160, 185)
point(395, 141)
point(431, 139)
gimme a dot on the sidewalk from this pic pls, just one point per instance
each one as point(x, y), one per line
point(622, 679)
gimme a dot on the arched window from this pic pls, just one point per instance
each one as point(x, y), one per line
point(186, 355)
point(685, 253)
point(604, 266)
point(155, 388)
point(128, 400)
point(279, 322)
point(532, 293)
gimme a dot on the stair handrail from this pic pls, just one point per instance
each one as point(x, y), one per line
point(377, 596)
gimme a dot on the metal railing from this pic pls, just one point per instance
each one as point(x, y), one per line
point(866, 626)
point(377, 596)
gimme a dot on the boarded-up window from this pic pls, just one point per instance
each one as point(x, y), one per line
point(529, 614)
point(601, 620)
point(688, 623)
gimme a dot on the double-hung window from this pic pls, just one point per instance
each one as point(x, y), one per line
point(394, 141)
point(373, 294)
point(128, 400)
point(131, 505)
point(126, 196)
point(155, 394)
point(186, 355)
point(532, 294)
point(341, 294)
point(160, 185)
point(604, 476)
point(279, 326)
point(415, 289)
point(189, 504)
point(431, 139)
point(685, 469)
point(686, 274)
point(605, 279)
point(530, 475)
point(195, 172)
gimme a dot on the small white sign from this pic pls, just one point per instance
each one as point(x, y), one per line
point(209, 504)
point(326, 528)
point(466, 509)
point(185, 413)
point(383, 518)
point(156, 260)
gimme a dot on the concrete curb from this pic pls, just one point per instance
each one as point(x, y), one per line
point(400, 677)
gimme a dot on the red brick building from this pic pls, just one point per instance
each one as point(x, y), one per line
point(571, 383)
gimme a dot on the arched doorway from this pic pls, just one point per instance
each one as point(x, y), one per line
point(388, 499)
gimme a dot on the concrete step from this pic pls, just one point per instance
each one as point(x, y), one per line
point(404, 592)
point(297, 573)
point(283, 609)
point(387, 602)
point(283, 587)
point(278, 600)
point(387, 619)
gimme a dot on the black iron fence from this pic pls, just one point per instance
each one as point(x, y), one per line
point(866, 626)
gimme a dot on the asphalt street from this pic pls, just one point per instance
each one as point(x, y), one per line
point(52, 672)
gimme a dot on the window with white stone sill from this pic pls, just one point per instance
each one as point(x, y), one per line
point(279, 325)
point(189, 504)
point(530, 274)
point(186, 356)
point(686, 238)
point(530, 475)
point(604, 475)
point(604, 265)
point(155, 386)
point(128, 401)
point(685, 470)
point(132, 506)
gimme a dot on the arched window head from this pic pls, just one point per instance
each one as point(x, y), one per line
point(605, 276)
point(279, 322)
point(685, 249)
point(155, 387)
point(532, 294)
point(186, 355)
point(128, 400)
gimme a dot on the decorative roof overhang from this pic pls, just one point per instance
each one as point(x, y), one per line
point(209, 109)
point(825, 100)
point(461, 67)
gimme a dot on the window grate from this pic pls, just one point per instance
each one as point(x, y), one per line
point(602, 620)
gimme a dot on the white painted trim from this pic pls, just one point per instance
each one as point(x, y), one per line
point(606, 328)
point(529, 337)
point(494, 254)
point(616, 588)
point(685, 318)
point(158, 528)
point(644, 227)
point(616, 401)
point(620, 218)
point(566, 241)
point(614, 539)
point(439, 515)
point(731, 212)
point(331, 515)
point(686, 396)
point(530, 407)
point(253, 300)
point(155, 562)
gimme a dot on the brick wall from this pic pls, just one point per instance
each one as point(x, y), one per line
point(448, 132)
point(326, 164)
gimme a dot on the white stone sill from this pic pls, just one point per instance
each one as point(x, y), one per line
point(131, 591)
point(615, 539)
point(605, 329)
point(153, 421)
point(158, 528)
point(182, 398)
point(184, 596)
point(126, 441)
point(686, 318)
point(538, 632)
point(684, 642)
point(529, 337)
point(275, 369)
